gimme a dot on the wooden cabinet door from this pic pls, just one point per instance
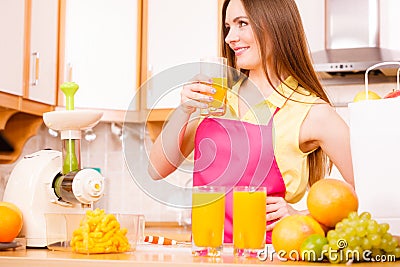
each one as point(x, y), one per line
point(178, 32)
point(101, 52)
point(12, 32)
point(43, 51)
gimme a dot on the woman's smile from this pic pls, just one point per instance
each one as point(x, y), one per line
point(240, 50)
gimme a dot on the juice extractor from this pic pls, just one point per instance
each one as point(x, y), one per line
point(50, 181)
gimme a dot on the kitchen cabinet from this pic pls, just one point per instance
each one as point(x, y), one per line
point(99, 51)
point(43, 51)
point(12, 30)
point(29, 60)
point(178, 32)
point(29, 50)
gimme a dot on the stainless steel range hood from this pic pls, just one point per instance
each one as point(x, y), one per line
point(351, 37)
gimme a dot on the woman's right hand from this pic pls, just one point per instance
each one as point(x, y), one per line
point(196, 95)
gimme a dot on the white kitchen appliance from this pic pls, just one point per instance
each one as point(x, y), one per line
point(50, 181)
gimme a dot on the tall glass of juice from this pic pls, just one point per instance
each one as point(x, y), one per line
point(208, 215)
point(249, 220)
point(216, 70)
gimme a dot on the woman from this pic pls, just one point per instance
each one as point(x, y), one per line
point(264, 40)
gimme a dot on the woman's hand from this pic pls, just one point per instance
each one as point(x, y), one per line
point(277, 208)
point(196, 95)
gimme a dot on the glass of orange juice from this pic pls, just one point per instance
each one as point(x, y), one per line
point(216, 69)
point(208, 216)
point(249, 220)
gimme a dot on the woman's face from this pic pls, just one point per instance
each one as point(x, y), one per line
point(241, 38)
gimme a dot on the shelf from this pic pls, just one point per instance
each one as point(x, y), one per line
point(155, 121)
point(20, 119)
point(16, 131)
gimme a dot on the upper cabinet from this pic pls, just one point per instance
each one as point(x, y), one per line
point(12, 30)
point(178, 32)
point(99, 51)
point(43, 52)
point(29, 52)
point(28, 66)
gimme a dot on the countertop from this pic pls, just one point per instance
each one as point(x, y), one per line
point(148, 255)
point(145, 255)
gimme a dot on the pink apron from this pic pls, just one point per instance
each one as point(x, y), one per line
point(232, 152)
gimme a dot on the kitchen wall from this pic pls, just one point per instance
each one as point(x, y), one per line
point(106, 152)
point(122, 193)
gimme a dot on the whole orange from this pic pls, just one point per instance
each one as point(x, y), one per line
point(11, 206)
point(290, 232)
point(331, 200)
point(10, 224)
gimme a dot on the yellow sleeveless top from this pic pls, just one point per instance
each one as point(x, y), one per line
point(291, 161)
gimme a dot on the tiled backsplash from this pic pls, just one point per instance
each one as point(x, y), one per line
point(106, 152)
point(122, 194)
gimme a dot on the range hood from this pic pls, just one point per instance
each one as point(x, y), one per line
point(352, 38)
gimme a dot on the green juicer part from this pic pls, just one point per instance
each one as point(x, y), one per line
point(70, 160)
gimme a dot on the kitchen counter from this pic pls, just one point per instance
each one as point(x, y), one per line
point(145, 255)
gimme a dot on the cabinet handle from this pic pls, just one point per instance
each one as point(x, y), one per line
point(35, 68)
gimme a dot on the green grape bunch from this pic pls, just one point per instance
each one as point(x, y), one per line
point(360, 238)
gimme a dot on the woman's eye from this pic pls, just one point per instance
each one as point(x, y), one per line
point(242, 24)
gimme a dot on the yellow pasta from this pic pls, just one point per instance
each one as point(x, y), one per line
point(99, 233)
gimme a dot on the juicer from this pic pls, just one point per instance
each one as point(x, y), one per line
point(50, 181)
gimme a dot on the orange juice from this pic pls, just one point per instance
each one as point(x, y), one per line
point(220, 85)
point(249, 219)
point(208, 216)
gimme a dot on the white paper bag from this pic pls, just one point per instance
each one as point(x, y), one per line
point(375, 148)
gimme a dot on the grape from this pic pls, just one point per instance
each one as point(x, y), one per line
point(339, 226)
point(392, 245)
point(366, 244)
point(352, 216)
point(358, 234)
point(332, 234)
point(363, 222)
point(353, 241)
point(372, 228)
point(396, 252)
point(383, 228)
point(365, 215)
point(375, 240)
point(361, 231)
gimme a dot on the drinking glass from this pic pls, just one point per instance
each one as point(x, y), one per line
point(208, 216)
point(216, 70)
point(249, 220)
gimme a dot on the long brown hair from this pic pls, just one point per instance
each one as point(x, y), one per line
point(278, 23)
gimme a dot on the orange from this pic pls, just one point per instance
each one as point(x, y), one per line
point(10, 224)
point(290, 232)
point(11, 206)
point(331, 200)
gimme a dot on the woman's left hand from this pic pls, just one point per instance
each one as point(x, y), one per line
point(277, 208)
